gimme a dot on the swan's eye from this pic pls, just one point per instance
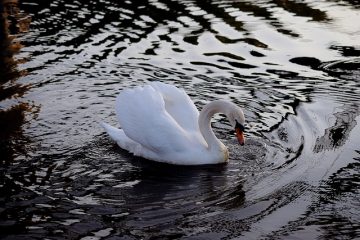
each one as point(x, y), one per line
point(239, 126)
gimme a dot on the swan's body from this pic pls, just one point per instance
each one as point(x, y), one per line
point(161, 123)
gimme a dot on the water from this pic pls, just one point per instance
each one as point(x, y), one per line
point(293, 66)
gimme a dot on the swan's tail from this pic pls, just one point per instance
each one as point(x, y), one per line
point(115, 133)
point(119, 136)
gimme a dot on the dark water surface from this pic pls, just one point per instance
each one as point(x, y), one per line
point(294, 66)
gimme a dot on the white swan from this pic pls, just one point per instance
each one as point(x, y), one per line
point(161, 123)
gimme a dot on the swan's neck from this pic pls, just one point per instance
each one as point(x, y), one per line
point(218, 106)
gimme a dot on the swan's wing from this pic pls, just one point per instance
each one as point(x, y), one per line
point(179, 105)
point(142, 115)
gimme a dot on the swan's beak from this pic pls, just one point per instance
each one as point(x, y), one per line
point(240, 136)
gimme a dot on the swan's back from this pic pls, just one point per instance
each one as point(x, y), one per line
point(179, 105)
point(142, 115)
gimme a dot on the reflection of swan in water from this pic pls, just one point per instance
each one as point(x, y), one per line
point(163, 193)
point(161, 123)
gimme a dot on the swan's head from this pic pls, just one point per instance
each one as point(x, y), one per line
point(237, 120)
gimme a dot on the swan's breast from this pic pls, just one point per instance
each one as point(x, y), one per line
point(225, 152)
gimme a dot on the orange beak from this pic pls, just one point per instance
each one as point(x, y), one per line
point(240, 136)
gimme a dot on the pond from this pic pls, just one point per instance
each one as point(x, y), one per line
point(293, 66)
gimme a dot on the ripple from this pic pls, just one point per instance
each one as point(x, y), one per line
point(62, 177)
point(349, 66)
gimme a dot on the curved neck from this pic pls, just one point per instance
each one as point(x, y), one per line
point(205, 116)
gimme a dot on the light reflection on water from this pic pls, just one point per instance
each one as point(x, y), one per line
point(293, 66)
